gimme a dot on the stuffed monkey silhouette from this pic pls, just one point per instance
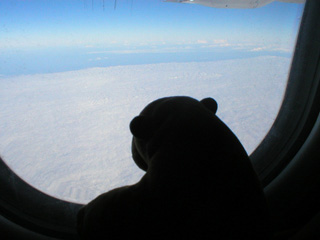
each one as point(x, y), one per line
point(199, 181)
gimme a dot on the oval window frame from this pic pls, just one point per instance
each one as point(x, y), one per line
point(27, 207)
point(301, 103)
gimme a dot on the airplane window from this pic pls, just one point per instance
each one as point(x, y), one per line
point(74, 73)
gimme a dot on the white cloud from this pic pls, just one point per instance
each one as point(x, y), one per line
point(288, 50)
point(97, 59)
point(271, 48)
point(220, 41)
point(72, 127)
point(258, 49)
point(214, 43)
point(202, 41)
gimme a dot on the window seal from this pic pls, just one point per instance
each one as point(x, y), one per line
point(28, 207)
point(301, 103)
point(41, 213)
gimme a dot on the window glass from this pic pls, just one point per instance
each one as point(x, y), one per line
point(74, 73)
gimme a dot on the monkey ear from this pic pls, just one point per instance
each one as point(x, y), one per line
point(141, 127)
point(210, 104)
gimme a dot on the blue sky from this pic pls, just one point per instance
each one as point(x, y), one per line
point(87, 23)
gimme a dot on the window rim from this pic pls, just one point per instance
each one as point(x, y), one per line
point(28, 207)
point(301, 103)
point(36, 211)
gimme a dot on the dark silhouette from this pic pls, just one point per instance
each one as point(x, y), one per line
point(199, 181)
